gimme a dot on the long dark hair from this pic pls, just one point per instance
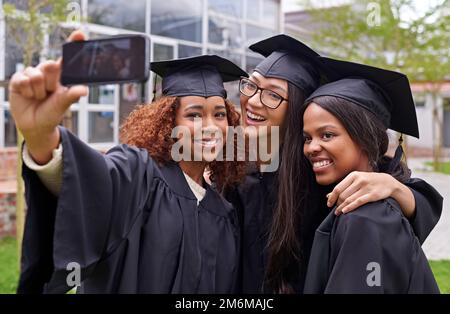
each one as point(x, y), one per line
point(299, 196)
point(282, 243)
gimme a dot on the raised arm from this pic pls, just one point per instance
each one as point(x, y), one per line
point(38, 102)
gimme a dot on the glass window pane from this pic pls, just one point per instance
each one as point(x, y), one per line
point(10, 130)
point(181, 19)
point(13, 51)
point(264, 11)
point(102, 94)
point(233, 92)
point(188, 51)
point(225, 32)
point(231, 87)
point(255, 34)
point(271, 12)
point(70, 121)
point(129, 97)
point(101, 127)
point(162, 52)
point(56, 39)
point(253, 10)
point(118, 13)
point(232, 8)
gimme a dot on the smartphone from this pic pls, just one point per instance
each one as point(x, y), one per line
point(116, 59)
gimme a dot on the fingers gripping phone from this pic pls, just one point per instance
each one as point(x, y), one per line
point(117, 59)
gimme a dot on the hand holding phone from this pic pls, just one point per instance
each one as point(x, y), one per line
point(38, 102)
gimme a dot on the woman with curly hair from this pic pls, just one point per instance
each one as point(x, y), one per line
point(133, 220)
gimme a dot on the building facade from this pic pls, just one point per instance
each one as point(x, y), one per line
point(177, 28)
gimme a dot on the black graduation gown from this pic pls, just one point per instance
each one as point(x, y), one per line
point(345, 249)
point(132, 226)
point(255, 199)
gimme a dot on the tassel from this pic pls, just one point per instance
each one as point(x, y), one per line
point(397, 156)
point(154, 88)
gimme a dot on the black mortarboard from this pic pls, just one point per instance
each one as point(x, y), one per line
point(196, 76)
point(289, 59)
point(385, 93)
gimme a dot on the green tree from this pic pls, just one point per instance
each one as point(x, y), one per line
point(28, 22)
point(392, 35)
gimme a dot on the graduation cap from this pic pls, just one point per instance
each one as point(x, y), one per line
point(197, 76)
point(385, 93)
point(291, 60)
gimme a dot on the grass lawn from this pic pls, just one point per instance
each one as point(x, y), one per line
point(441, 271)
point(444, 166)
point(9, 272)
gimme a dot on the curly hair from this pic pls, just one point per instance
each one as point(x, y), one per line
point(149, 126)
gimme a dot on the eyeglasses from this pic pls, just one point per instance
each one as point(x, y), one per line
point(268, 97)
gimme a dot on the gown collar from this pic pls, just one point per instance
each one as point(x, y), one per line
point(174, 177)
point(212, 201)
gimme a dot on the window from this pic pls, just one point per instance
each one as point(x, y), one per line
point(101, 127)
point(233, 94)
point(101, 110)
point(70, 121)
point(188, 51)
point(56, 39)
point(264, 11)
point(271, 13)
point(256, 33)
point(130, 96)
point(13, 52)
point(118, 13)
point(10, 130)
point(224, 32)
point(232, 8)
point(232, 88)
point(101, 94)
point(162, 52)
point(253, 10)
point(181, 19)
